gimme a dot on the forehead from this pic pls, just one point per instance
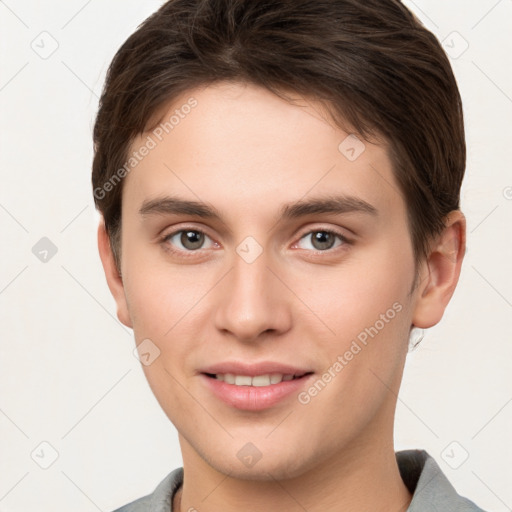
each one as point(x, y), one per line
point(240, 144)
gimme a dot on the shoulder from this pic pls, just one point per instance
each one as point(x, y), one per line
point(429, 486)
point(160, 500)
point(137, 505)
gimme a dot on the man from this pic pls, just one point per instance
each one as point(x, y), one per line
point(279, 187)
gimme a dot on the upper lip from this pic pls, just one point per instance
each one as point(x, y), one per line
point(252, 369)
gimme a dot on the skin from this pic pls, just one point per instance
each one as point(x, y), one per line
point(247, 152)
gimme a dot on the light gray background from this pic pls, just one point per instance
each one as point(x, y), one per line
point(68, 376)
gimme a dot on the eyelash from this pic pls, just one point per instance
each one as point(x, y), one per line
point(192, 253)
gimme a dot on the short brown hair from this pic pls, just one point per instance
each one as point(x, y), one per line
point(372, 63)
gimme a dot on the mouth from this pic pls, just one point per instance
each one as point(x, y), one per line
point(250, 392)
point(269, 379)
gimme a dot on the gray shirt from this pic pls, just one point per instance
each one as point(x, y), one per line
point(431, 490)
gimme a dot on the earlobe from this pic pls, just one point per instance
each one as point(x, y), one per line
point(112, 274)
point(441, 272)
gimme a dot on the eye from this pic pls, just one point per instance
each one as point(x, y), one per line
point(324, 239)
point(190, 239)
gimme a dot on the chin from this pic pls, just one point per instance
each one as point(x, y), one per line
point(274, 464)
point(276, 470)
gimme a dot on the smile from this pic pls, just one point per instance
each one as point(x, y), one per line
point(255, 381)
point(257, 392)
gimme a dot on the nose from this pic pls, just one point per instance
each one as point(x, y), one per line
point(252, 301)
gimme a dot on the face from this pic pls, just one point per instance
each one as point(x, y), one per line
point(259, 284)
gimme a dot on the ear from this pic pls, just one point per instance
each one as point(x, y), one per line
point(440, 272)
point(114, 280)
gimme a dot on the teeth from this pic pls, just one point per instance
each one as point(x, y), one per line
point(261, 380)
point(257, 381)
point(243, 380)
point(275, 378)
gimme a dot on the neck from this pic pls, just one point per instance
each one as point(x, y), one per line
point(363, 477)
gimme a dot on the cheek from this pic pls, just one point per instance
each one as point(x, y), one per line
point(161, 308)
point(354, 296)
point(366, 306)
point(159, 294)
point(150, 304)
point(364, 359)
point(166, 307)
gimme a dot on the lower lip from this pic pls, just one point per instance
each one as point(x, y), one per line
point(254, 398)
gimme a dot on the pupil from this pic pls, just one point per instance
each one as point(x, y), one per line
point(192, 239)
point(320, 239)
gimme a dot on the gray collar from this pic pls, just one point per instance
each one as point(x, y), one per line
point(429, 486)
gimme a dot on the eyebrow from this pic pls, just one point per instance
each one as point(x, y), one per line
point(338, 204)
